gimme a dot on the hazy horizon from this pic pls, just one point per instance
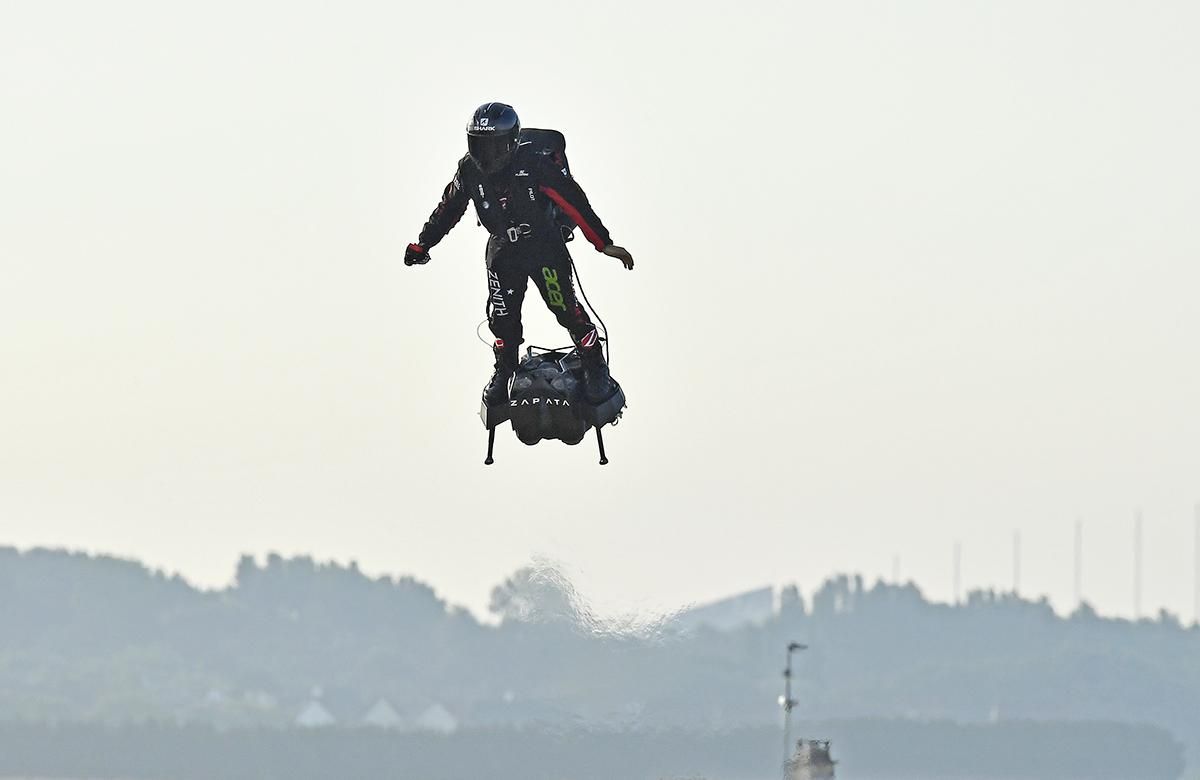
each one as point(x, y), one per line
point(906, 276)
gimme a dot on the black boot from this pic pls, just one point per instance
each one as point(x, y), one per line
point(496, 391)
point(597, 384)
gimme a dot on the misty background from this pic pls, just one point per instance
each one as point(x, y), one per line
point(310, 669)
point(910, 278)
point(907, 274)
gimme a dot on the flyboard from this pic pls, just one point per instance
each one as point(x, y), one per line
point(546, 400)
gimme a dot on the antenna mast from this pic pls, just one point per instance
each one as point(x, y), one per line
point(788, 703)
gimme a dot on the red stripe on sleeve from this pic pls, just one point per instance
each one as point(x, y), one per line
point(588, 232)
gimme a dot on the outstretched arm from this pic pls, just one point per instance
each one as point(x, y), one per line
point(566, 192)
point(447, 214)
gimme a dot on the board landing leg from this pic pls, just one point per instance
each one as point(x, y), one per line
point(491, 442)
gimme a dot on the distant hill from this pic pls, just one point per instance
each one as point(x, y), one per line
point(87, 638)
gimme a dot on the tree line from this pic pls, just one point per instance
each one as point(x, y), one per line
point(98, 639)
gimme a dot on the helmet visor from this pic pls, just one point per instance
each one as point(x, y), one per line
point(490, 152)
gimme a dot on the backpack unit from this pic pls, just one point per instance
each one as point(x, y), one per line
point(553, 144)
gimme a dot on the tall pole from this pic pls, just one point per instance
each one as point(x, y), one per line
point(788, 703)
point(1137, 565)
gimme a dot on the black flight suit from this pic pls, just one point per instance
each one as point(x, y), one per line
point(517, 207)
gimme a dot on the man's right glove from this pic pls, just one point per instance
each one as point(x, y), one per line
point(416, 255)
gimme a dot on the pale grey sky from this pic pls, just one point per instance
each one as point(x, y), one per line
point(907, 273)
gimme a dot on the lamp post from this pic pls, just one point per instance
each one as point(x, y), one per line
point(788, 703)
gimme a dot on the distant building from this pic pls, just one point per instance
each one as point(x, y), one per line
point(437, 719)
point(383, 715)
point(750, 608)
point(812, 761)
point(314, 716)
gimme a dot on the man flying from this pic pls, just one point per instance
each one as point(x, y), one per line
point(519, 191)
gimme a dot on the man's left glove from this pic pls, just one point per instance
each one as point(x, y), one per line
point(416, 255)
point(621, 253)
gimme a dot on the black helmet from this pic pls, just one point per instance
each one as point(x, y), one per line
point(492, 136)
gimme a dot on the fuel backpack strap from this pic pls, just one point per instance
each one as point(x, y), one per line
point(590, 233)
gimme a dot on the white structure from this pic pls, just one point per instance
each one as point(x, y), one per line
point(383, 715)
point(437, 719)
point(314, 716)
